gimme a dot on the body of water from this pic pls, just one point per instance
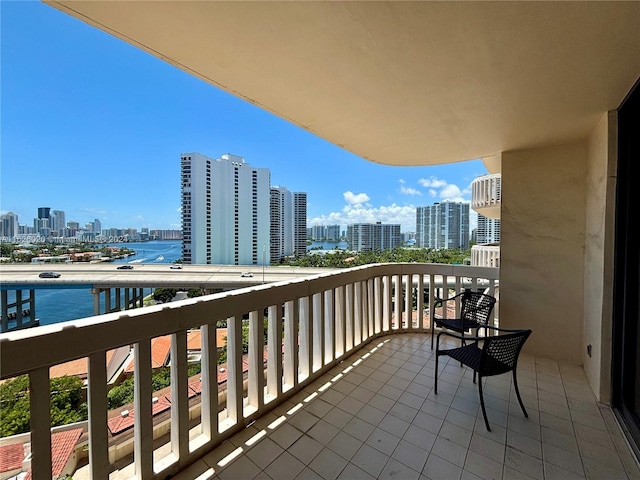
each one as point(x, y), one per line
point(61, 305)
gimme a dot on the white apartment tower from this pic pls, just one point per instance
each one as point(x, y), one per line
point(364, 237)
point(225, 210)
point(443, 225)
point(488, 230)
point(288, 223)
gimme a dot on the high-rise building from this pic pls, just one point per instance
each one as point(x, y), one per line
point(9, 225)
point(443, 225)
point(288, 223)
point(299, 224)
point(225, 211)
point(373, 236)
point(329, 233)
point(488, 230)
point(58, 221)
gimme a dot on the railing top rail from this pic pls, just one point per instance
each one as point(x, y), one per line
point(49, 345)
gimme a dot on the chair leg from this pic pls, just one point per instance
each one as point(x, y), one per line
point(433, 327)
point(484, 410)
point(515, 384)
point(435, 386)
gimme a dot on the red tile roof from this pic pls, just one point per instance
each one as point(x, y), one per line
point(62, 446)
point(11, 457)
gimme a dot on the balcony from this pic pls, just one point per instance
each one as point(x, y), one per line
point(486, 195)
point(342, 387)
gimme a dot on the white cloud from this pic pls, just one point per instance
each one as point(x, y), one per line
point(405, 215)
point(355, 199)
point(432, 182)
point(409, 191)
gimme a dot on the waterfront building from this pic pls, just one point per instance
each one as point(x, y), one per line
point(9, 225)
point(225, 210)
point(330, 233)
point(299, 224)
point(373, 236)
point(443, 225)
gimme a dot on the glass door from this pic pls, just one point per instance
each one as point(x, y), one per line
point(626, 312)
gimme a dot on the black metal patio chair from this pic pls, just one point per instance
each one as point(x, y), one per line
point(488, 356)
point(475, 311)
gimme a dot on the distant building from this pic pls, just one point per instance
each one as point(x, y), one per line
point(373, 236)
point(443, 225)
point(58, 222)
point(9, 225)
point(488, 230)
point(165, 234)
point(288, 223)
point(225, 211)
point(330, 233)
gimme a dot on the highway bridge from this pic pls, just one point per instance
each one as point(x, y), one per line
point(117, 289)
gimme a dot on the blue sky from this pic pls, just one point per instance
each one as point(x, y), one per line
point(95, 127)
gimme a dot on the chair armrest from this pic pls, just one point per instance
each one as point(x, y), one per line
point(505, 330)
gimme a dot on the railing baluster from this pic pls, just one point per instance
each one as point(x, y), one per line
point(350, 334)
point(291, 344)
point(234, 368)
point(209, 382)
point(408, 301)
point(97, 409)
point(365, 310)
point(330, 327)
point(420, 303)
point(143, 421)
point(340, 322)
point(378, 297)
point(306, 337)
point(388, 303)
point(179, 396)
point(371, 306)
point(256, 360)
point(40, 409)
point(397, 284)
point(357, 312)
point(274, 341)
point(318, 327)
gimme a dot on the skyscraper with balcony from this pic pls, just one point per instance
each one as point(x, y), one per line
point(488, 230)
point(443, 225)
point(225, 210)
point(288, 223)
point(364, 237)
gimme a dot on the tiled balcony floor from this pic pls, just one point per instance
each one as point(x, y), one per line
point(378, 418)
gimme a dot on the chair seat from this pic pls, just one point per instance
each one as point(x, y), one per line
point(468, 355)
point(456, 324)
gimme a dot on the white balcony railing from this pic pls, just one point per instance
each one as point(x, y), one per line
point(313, 323)
point(486, 195)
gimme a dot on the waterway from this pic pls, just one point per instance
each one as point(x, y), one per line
point(61, 305)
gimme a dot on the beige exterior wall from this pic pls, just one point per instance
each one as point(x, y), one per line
point(543, 248)
point(598, 263)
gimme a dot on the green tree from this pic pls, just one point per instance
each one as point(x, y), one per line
point(194, 292)
point(164, 295)
point(67, 403)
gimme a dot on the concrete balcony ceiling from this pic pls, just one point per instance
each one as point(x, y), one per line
point(400, 83)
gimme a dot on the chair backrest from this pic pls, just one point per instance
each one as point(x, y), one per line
point(476, 306)
point(500, 352)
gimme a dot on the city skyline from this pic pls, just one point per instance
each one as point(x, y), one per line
point(132, 113)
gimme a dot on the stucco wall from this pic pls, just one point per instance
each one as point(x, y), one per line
point(598, 280)
point(543, 248)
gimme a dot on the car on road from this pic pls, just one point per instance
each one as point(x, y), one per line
point(49, 275)
point(246, 274)
point(125, 267)
point(176, 266)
